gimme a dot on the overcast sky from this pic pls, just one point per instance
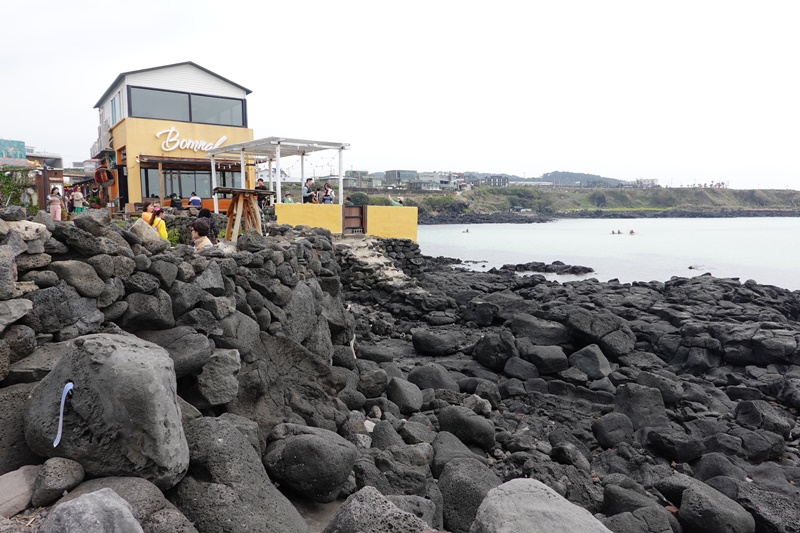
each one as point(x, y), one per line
point(683, 91)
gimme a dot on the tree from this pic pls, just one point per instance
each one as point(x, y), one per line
point(15, 181)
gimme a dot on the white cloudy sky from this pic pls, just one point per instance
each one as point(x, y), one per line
point(681, 91)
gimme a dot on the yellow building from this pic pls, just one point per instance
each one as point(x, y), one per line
point(156, 126)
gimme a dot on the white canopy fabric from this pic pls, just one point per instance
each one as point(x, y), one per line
point(272, 149)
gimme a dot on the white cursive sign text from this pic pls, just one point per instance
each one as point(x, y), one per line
point(173, 141)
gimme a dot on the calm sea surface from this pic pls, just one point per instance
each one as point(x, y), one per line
point(766, 250)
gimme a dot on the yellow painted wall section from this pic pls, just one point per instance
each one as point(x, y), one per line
point(392, 222)
point(327, 216)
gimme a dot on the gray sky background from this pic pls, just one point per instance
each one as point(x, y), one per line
point(683, 91)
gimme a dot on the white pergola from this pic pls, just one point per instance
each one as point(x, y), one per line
point(272, 149)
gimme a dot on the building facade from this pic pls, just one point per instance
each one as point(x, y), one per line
point(497, 181)
point(156, 125)
point(399, 177)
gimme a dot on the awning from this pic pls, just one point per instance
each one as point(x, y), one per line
point(272, 149)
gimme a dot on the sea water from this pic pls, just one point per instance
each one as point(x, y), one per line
point(763, 249)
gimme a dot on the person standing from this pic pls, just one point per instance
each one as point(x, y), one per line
point(262, 200)
point(212, 228)
point(307, 193)
point(55, 203)
point(78, 201)
point(327, 194)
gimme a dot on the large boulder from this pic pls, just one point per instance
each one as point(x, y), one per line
point(231, 491)
point(367, 511)
point(311, 461)
point(447, 447)
point(530, 506)
point(601, 327)
point(464, 484)
point(708, 510)
point(405, 394)
point(97, 512)
point(79, 275)
point(122, 417)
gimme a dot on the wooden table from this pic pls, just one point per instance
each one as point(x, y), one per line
point(243, 209)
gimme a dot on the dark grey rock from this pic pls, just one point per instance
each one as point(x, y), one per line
point(135, 382)
point(311, 461)
point(189, 350)
point(432, 376)
point(469, 427)
point(642, 405)
point(79, 275)
point(464, 484)
point(547, 359)
point(405, 394)
point(437, 343)
point(232, 491)
point(56, 476)
point(14, 451)
point(367, 511)
point(493, 350)
point(516, 367)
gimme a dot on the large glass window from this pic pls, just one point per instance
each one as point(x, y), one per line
point(215, 110)
point(185, 182)
point(186, 107)
point(152, 103)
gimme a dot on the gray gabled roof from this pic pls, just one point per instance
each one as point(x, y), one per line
point(123, 74)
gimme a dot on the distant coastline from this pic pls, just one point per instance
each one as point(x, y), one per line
point(508, 217)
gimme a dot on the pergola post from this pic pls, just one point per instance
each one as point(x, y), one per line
point(278, 196)
point(214, 184)
point(341, 177)
point(242, 174)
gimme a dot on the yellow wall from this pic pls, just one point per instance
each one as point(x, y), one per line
point(392, 222)
point(138, 137)
point(328, 216)
point(386, 222)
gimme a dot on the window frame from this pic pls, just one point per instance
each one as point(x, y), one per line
point(191, 120)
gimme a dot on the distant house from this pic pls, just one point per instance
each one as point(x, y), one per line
point(497, 181)
point(423, 185)
point(399, 177)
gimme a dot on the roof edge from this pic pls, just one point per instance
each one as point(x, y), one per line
point(122, 75)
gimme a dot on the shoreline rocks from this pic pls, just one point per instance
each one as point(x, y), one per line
point(373, 374)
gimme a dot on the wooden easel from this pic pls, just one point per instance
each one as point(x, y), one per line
point(243, 210)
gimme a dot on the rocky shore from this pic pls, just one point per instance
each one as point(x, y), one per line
point(209, 392)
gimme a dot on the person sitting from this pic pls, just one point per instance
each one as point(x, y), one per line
point(200, 235)
point(205, 214)
point(287, 198)
point(398, 203)
point(195, 201)
point(147, 210)
point(157, 223)
point(348, 201)
point(175, 201)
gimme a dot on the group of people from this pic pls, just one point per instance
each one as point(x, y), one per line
point(204, 231)
point(325, 195)
point(57, 204)
point(618, 232)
